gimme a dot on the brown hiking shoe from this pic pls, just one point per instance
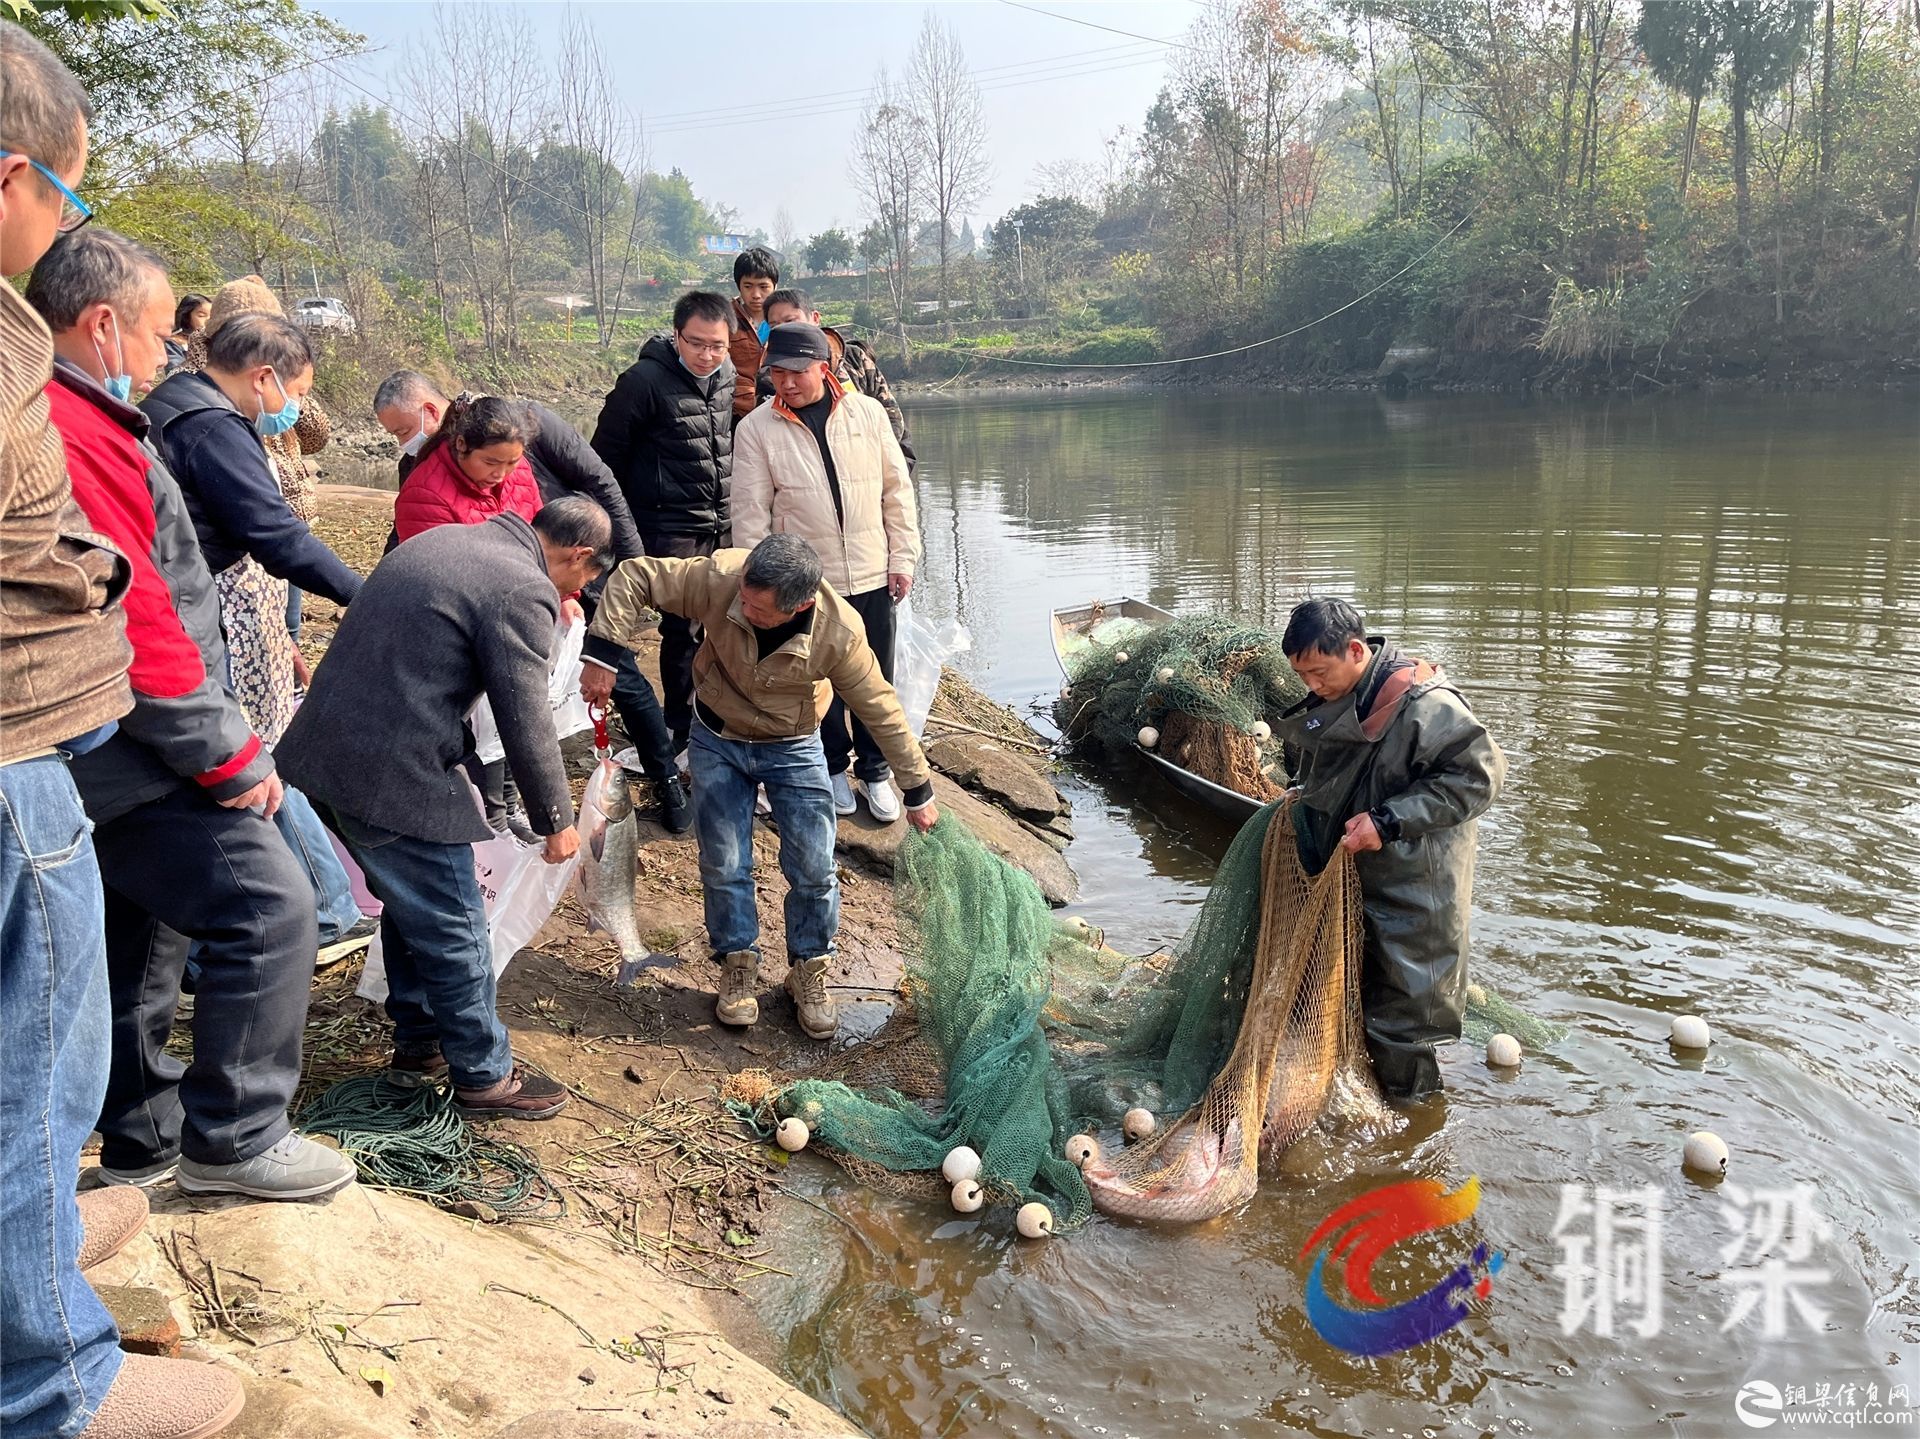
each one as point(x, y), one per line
point(109, 1218)
point(739, 979)
point(166, 1399)
point(807, 983)
point(524, 1094)
point(410, 1070)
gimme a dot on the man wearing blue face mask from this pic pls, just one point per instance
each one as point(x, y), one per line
point(209, 427)
point(184, 796)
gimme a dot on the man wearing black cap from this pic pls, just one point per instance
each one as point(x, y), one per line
point(821, 462)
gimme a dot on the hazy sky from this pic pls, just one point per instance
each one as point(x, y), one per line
point(708, 78)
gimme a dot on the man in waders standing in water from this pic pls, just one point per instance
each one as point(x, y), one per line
point(1391, 765)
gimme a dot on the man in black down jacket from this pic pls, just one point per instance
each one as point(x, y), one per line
point(452, 614)
point(666, 432)
point(409, 407)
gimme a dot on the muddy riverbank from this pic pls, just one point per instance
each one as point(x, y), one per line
point(631, 1314)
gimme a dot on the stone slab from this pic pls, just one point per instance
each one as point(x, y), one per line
point(144, 1317)
point(998, 774)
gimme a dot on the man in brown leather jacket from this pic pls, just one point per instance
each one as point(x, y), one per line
point(63, 689)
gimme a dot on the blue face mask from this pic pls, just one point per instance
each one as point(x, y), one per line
point(277, 422)
point(118, 385)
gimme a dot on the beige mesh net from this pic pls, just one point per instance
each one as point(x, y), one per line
point(1300, 1058)
point(1015, 1034)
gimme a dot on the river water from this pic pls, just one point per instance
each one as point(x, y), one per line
point(1694, 624)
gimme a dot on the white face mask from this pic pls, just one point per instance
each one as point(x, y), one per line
point(420, 436)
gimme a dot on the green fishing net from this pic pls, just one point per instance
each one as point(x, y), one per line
point(1016, 1032)
point(1204, 683)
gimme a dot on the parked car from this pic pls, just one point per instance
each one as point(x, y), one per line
point(325, 314)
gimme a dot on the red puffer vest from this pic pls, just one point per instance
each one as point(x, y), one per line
point(437, 492)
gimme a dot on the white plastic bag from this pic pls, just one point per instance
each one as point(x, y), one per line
point(919, 652)
point(519, 889)
point(563, 682)
point(563, 694)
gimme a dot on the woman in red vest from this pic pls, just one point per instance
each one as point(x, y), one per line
point(474, 467)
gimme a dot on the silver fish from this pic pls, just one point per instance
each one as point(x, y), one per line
point(609, 856)
point(1193, 1172)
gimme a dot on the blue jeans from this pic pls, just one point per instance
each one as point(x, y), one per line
point(59, 1351)
point(726, 772)
point(332, 890)
point(433, 937)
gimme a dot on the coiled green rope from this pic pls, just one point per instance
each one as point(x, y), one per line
point(412, 1140)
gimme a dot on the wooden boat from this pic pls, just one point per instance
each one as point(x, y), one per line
point(1078, 622)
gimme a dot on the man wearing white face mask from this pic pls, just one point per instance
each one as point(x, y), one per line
point(666, 432)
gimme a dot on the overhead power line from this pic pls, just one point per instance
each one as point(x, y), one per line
point(1218, 354)
point(1045, 78)
point(982, 73)
point(1007, 76)
point(1094, 25)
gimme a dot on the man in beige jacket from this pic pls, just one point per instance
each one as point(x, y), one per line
point(821, 461)
point(779, 645)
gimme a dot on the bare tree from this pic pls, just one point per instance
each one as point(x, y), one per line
point(507, 116)
point(270, 177)
point(887, 156)
point(480, 93)
point(434, 75)
point(1251, 88)
point(952, 127)
point(786, 240)
point(1083, 180)
point(429, 193)
point(602, 148)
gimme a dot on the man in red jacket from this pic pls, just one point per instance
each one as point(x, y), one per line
point(182, 795)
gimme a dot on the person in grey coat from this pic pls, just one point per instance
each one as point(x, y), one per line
point(410, 407)
point(454, 613)
point(1392, 766)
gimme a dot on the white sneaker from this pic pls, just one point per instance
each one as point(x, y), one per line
point(761, 804)
point(883, 800)
point(295, 1168)
point(843, 801)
